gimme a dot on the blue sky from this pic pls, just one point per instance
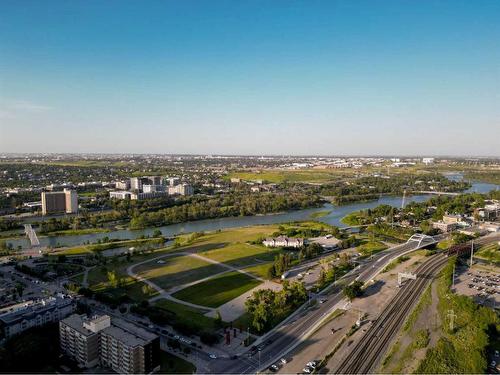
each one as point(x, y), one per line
point(251, 77)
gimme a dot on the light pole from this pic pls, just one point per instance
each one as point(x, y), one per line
point(471, 253)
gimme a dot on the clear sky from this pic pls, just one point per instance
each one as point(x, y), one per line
point(251, 77)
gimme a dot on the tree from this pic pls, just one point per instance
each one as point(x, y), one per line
point(218, 319)
point(19, 289)
point(157, 233)
point(353, 290)
point(112, 279)
point(147, 289)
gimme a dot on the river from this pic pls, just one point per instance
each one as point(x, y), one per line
point(333, 218)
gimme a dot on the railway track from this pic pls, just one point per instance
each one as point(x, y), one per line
point(366, 355)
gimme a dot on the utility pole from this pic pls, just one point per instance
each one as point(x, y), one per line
point(471, 252)
point(452, 316)
point(453, 278)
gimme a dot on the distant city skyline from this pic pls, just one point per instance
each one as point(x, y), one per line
point(333, 78)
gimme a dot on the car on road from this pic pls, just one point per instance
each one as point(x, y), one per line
point(212, 356)
point(283, 361)
point(306, 370)
point(312, 364)
point(274, 368)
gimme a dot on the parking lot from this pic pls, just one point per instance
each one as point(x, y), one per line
point(481, 284)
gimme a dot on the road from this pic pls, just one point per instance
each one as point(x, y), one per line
point(287, 336)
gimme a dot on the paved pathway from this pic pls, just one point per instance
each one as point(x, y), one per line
point(229, 311)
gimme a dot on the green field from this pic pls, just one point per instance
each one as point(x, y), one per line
point(177, 270)
point(98, 279)
point(241, 254)
point(260, 270)
point(490, 252)
point(371, 247)
point(317, 215)
point(187, 314)
point(219, 290)
point(279, 176)
point(89, 249)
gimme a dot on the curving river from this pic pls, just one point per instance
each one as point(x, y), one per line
point(333, 218)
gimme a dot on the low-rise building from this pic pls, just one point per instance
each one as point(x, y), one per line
point(490, 227)
point(452, 219)
point(36, 314)
point(444, 227)
point(327, 242)
point(283, 241)
point(490, 211)
point(120, 194)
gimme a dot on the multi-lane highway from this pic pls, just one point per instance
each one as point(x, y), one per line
point(287, 336)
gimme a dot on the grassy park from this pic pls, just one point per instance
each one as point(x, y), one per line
point(280, 176)
point(218, 290)
point(187, 314)
point(241, 254)
point(177, 270)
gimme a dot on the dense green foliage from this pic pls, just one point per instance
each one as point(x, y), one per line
point(353, 290)
point(371, 187)
point(224, 206)
point(268, 307)
point(463, 349)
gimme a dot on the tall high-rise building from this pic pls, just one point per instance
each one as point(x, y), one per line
point(59, 202)
point(71, 201)
point(119, 345)
point(135, 184)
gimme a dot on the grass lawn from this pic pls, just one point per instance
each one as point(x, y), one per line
point(75, 232)
point(89, 249)
point(259, 270)
point(445, 244)
point(171, 364)
point(316, 215)
point(279, 176)
point(371, 247)
point(188, 314)
point(489, 252)
point(177, 270)
point(219, 290)
point(237, 235)
point(98, 279)
point(241, 254)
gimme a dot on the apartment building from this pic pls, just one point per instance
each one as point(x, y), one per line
point(123, 185)
point(182, 189)
point(59, 202)
point(118, 345)
point(79, 338)
point(36, 314)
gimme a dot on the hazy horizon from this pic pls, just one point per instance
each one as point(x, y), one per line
point(306, 78)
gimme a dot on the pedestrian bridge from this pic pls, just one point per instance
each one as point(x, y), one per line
point(421, 239)
point(31, 234)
